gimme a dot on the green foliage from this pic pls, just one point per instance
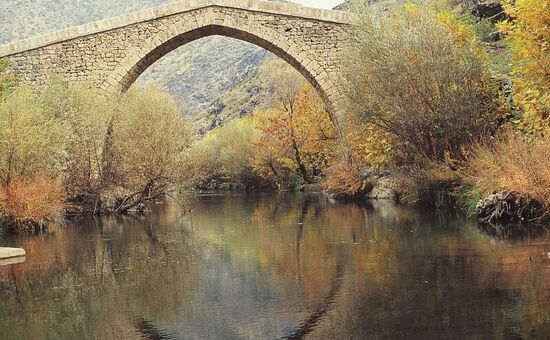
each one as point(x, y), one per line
point(150, 138)
point(31, 141)
point(222, 156)
point(8, 82)
point(485, 30)
point(60, 142)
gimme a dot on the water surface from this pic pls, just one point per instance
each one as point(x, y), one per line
point(277, 266)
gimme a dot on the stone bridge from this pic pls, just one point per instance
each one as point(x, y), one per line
point(110, 54)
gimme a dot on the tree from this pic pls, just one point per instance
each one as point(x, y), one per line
point(297, 137)
point(31, 141)
point(150, 138)
point(222, 157)
point(528, 34)
point(85, 118)
point(422, 78)
point(32, 158)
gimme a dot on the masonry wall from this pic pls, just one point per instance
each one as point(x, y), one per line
point(110, 55)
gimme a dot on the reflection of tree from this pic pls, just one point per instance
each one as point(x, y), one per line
point(309, 323)
point(266, 267)
point(148, 330)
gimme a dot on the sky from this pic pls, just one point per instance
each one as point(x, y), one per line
point(328, 4)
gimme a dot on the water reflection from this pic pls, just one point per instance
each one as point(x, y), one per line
point(280, 266)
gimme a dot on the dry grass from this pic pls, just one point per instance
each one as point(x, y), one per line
point(513, 163)
point(35, 199)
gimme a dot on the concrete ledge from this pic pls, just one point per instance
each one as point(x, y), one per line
point(8, 253)
point(168, 10)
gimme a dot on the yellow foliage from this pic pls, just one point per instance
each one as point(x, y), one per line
point(224, 153)
point(297, 138)
point(421, 76)
point(528, 32)
point(463, 34)
point(31, 140)
point(369, 145)
point(150, 138)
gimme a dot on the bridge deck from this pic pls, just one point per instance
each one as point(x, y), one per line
point(284, 9)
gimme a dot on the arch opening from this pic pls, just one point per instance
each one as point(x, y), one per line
point(131, 71)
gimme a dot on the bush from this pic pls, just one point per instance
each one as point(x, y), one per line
point(346, 180)
point(423, 78)
point(85, 118)
point(510, 162)
point(35, 199)
point(222, 157)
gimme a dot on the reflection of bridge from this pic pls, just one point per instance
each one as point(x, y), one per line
point(111, 54)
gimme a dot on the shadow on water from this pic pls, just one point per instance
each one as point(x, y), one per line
point(148, 330)
point(327, 302)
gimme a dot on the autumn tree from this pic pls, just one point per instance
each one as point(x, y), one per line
point(150, 138)
point(85, 118)
point(32, 160)
point(296, 137)
point(528, 34)
point(421, 77)
point(31, 141)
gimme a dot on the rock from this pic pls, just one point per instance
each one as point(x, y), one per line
point(383, 189)
point(6, 253)
point(508, 207)
point(12, 260)
point(488, 9)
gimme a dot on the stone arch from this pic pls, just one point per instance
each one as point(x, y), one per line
point(140, 58)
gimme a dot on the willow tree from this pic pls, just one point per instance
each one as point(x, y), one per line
point(149, 141)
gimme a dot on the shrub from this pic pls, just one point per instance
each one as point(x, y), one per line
point(423, 78)
point(345, 179)
point(510, 162)
point(85, 117)
point(222, 157)
point(32, 199)
point(146, 145)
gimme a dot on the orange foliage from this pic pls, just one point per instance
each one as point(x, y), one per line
point(297, 138)
point(346, 178)
point(35, 199)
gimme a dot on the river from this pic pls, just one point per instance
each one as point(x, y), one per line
point(277, 266)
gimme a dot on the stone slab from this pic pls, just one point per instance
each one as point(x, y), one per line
point(13, 260)
point(7, 253)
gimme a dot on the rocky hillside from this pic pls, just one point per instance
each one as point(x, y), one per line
point(214, 78)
